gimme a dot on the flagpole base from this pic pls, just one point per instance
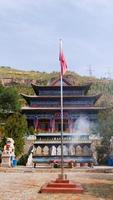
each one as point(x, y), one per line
point(62, 176)
point(62, 185)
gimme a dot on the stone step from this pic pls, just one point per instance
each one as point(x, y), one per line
point(67, 185)
point(61, 186)
point(62, 190)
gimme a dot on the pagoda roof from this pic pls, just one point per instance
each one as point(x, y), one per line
point(65, 80)
point(30, 97)
point(84, 87)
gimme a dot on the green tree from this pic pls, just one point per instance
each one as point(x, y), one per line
point(105, 119)
point(105, 129)
point(9, 101)
point(31, 130)
point(16, 128)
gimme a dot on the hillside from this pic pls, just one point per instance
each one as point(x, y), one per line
point(22, 80)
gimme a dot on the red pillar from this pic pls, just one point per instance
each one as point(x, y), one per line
point(36, 124)
point(52, 125)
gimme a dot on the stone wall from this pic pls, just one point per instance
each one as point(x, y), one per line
point(29, 141)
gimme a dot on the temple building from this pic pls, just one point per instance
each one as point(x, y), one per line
point(44, 114)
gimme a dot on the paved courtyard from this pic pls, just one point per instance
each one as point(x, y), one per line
point(24, 184)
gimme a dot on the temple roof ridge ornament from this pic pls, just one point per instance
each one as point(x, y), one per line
point(52, 86)
point(57, 81)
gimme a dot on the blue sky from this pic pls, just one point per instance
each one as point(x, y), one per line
point(30, 31)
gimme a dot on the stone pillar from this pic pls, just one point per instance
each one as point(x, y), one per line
point(6, 161)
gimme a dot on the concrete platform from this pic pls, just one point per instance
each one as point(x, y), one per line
point(61, 186)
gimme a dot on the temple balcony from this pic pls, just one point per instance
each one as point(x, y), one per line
point(64, 142)
point(68, 138)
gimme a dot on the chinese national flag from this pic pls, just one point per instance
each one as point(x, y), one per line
point(62, 63)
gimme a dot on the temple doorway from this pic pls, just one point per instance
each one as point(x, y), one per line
point(44, 124)
point(30, 122)
point(58, 125)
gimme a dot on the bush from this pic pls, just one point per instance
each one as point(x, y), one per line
point(23, 160)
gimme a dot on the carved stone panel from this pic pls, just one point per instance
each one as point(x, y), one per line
point(78, 150)
point(59, 150)
point(39, 151)
point(72, 150)
point(65, 150)
point(53, 151)
point(86, 151)
point(45, 151)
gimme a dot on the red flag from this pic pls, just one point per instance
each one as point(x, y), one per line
point(62, 63)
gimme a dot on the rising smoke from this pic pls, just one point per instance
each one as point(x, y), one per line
point(82, 125)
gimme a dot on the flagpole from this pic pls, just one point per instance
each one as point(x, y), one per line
point(62, 165)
